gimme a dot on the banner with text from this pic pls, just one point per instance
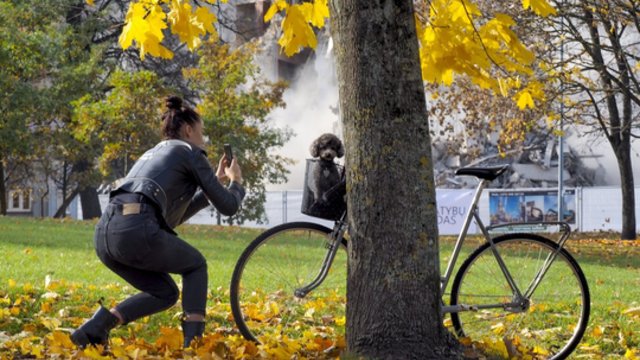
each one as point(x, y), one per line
point(452, 209)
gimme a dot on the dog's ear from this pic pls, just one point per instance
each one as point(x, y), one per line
point(340, 149)
point(313, 149)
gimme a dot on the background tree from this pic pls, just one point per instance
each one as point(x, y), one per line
point(27, 33)
point(125, 123)
point(598, 77)
point(234, 102)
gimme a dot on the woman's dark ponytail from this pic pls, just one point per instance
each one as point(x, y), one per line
point(176, 116)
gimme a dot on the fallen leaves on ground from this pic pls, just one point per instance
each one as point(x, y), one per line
point(36, 322)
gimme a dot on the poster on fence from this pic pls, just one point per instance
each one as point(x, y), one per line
point(530, 206)
point(452, 209)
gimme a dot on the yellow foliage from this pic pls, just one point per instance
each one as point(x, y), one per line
point(451, 43)
point(296, 31)
point(170, 339)
point(146, 20)
point(184, 25)
point(524, 100)
point(144, 24)
point(276, 7)
point(540, 7)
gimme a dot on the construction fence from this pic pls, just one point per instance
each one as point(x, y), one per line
point(585, 208)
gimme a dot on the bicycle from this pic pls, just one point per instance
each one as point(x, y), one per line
point(519, 288)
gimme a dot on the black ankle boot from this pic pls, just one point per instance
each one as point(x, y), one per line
point(95, 330)
point(192, 330)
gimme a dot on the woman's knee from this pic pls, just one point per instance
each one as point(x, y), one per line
point(169, 294)
point(199, 266)
point(173, 295)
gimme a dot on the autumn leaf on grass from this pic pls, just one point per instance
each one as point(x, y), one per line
point(633, 312)
point(94, 352)
point(170, 339)
point(59, 343)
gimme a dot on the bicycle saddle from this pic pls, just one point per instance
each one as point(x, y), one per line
point(485, 173)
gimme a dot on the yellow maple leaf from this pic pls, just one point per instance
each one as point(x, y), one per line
point(182, 24)
point(207, 19)
point(135, 25)
point(524, 100)
point(634, 311)
point(154, 48)
point(317, 13)
point(144, 24)
point(94, 352)
point(276, 7)
point(170, 338)
point(60, 340)
point(90, 2)
point(297, 33)
point(540, 7)
point(597, 331)
point(630, 354)
point(50, 323)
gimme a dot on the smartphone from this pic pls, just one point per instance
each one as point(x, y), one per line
point(228, 153)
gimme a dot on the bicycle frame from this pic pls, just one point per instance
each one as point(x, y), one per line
point(519, 301)
point(335, 240)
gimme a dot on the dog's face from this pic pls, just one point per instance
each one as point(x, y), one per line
point(327, 147)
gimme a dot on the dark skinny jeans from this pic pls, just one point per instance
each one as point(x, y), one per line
point(135, 247)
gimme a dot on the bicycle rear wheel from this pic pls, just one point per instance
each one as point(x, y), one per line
point(270, 270)
point(549, 324)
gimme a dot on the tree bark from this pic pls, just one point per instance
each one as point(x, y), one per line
point(617, 94)
point(3, 190)
point(623, 155)
point(90, 203)
point(393, 288)
point(62, 209)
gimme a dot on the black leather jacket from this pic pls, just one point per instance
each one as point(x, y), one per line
point(178, 178)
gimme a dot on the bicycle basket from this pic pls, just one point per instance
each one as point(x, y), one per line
point(324, 190)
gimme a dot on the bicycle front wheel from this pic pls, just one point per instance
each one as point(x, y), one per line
point(547, 324)
point(282, 260)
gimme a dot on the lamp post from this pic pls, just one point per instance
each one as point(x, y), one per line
point(561, 136)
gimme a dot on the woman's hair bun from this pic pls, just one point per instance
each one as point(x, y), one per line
point(174, 103)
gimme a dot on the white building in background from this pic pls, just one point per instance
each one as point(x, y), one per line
point(38, 200)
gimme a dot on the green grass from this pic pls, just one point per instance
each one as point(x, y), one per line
point(31, 249)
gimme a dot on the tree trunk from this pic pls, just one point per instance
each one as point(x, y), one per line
point(393, 288)
point(3, 190)
point(62, 209)
point(623, 155)
point(90, 203)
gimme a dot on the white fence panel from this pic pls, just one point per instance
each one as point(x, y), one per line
point(601, 209)
point(597, 208)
